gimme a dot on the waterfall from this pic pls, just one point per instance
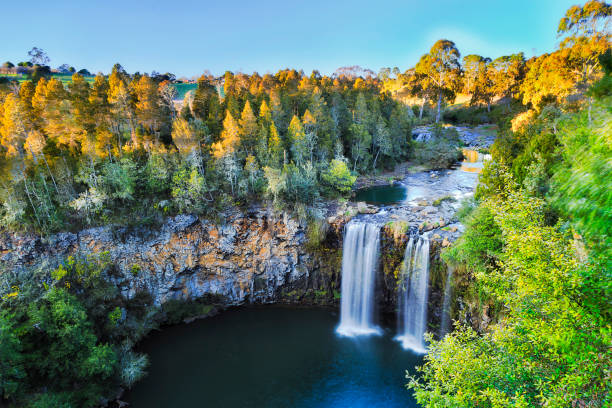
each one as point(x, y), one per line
point(446, 310)
point(413, 295)
point(359, 262)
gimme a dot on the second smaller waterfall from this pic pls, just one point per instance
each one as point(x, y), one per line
point(413, 295)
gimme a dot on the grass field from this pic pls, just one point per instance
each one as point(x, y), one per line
point(67, 78)
point(183, 89)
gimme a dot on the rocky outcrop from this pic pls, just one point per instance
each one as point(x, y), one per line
point(255, 256)
point(472, 137)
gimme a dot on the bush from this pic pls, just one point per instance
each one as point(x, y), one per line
point(316, 232)
point(338, 176)
point(439, 153)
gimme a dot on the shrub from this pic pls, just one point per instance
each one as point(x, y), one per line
point(338, 176)
point(316, 232)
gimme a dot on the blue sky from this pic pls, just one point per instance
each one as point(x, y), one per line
point(187, 37)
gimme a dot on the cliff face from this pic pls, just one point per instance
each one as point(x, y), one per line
point(251, 257)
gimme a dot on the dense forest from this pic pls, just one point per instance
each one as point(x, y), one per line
point(120, 150)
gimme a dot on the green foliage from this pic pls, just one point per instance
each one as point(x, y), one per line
point(551, 349)
point(583, 181)
point(316, 232)
point(177, 310)
point(64, 349)
point(12, 370)
point(438, 202)
point(188, 189)
point(338, 176)
point(480, 246)
point(440, 152)
point(66, 335)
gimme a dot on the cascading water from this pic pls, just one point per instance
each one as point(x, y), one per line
point(413, 295)
point(359, 262)
point(446, 306)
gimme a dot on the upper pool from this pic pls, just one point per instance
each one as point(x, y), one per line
point(382, 195)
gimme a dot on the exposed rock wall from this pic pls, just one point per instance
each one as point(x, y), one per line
point(253, 256)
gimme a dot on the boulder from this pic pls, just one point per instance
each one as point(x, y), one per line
point(363, 208)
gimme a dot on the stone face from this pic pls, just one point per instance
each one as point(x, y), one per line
point(252, 257)
point(363, 208)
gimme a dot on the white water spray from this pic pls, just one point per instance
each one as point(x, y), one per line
point(413, 295)
point(359, 263)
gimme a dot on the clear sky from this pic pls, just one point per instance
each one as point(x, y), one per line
point(187, 37)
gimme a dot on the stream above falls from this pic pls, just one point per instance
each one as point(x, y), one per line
point(457, 183)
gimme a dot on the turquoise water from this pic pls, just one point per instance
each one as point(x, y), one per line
point(382, 195)
point(272, 357)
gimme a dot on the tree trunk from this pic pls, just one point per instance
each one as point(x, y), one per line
point(375, 158)
point(439, 104)
point(489, 106)
point(422, 107)
point(25, 183)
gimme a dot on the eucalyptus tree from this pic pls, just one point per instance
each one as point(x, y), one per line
point(441, 66)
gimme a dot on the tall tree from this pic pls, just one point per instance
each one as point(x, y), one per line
point(506, 75)
point(249, 129)
point(441, 66)
point(477, 79)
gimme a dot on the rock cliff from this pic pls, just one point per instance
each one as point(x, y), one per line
point(255, 256)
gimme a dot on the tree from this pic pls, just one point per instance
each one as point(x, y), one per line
point(252, 171)
point(506, 74)
point(275, 148)
point(419, 85)
point(225, 150)
point(381, 141)
point(298, 141)
point(38, 56)
point(323, 128)
point(64, 68)
point(587, 20)
point(147, 105)
point(248, 128)
point(361, 140)
point(477, 79)
point(167, 95)
point(442, 67)
point(122, 104)
point(65, 348)
point(11, 359)
point(310, 129)
point(230, 137)
point(575, 66)
point(13, 132)
point(188, 189)
point(338, 176)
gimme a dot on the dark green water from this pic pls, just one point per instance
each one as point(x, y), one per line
point(272, 357)
point(382, 195)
